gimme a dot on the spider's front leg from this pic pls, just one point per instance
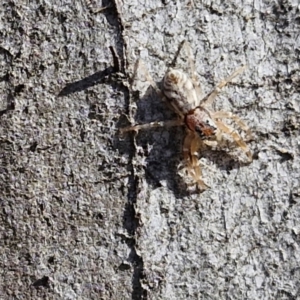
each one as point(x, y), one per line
point(192, 144)
point(237, 138)
point(236, 119)
point(212, 96)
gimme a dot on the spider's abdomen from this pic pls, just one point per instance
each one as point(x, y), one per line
point(180, 91)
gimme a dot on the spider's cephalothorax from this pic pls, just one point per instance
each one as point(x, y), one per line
point(200, 121)
point(204, 126)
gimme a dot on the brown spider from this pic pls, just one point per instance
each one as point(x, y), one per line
point(203, 126)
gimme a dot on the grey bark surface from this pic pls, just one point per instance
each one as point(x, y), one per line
point(89, 214)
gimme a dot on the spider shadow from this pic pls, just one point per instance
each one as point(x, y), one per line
point(161, 146)
point(223, 160)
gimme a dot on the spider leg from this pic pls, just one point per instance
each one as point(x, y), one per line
point(236, 119)
point(174, 61)
point(135, 70)
point(237, 138)
point(170, 123)
point(150, 79)
point(192, 69)
point(160, 93)
point(187, 48)
point(190, 56)
point(191, 146)
point(212, 96)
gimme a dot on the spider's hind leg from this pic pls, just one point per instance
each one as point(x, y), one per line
point(170, 123)
point(139, 65)
point(191, 61)
point(192, 68)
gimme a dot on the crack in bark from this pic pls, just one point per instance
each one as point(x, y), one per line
point(130, 220)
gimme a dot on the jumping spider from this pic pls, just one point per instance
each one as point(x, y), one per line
point(203, 126)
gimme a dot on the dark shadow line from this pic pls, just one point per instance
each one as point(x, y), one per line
point(78, 86)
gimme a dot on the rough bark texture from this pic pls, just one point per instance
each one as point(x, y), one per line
point(86, 214)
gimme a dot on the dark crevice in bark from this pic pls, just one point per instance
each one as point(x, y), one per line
point(130, 220)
